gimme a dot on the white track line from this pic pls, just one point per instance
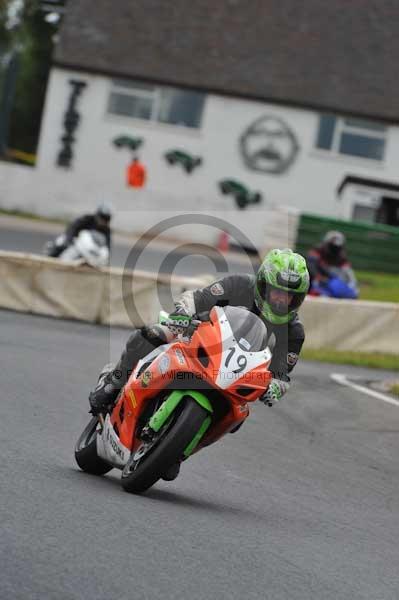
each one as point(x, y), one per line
point(342, 379)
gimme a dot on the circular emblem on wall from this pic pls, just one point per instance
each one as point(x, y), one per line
point(269, 145)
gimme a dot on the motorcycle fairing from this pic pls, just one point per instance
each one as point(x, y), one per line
point(109, 446)
point(184, 360)
point(231, 353)
point(150, 358)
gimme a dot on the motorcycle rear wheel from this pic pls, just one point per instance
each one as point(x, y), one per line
point(169, 449)
point(86, 451)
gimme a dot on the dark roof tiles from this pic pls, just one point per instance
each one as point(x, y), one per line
point(339, 55)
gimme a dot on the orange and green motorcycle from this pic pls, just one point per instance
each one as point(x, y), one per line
point(180, 398)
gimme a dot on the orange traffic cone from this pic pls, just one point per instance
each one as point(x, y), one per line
point(223, 242)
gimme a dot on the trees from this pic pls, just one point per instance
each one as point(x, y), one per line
point(28, 33)
point(4, 31)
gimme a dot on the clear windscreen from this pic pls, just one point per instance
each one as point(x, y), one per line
point(249, 330)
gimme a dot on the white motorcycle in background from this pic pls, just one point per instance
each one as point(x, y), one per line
point(88, 247)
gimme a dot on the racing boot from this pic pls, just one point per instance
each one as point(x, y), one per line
point(105, 393)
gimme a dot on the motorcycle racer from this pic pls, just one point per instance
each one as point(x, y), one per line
point(99, 221)
point(274, 294)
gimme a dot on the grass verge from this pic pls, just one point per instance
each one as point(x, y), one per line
point(27, 215)
point(383, 287)
point(358, 359)
point(395, 389)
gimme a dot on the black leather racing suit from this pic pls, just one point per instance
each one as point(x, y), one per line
point(233, 290)
point(90, 222)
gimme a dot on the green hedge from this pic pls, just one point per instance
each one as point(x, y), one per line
point(370, 247)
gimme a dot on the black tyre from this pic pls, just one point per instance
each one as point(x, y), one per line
point(86, 451)
point(140, 474)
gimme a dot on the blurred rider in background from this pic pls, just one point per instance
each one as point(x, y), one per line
point(330, 271)
point(99, 221)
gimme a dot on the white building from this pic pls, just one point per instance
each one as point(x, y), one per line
point(294, 157)
point(277, 100)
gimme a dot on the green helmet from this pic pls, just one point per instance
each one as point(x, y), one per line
point(281, 270)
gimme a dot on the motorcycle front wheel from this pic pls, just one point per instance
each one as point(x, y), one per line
point(147, 465)
point(86, 451)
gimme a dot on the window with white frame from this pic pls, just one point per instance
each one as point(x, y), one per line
point(354, 137)
point(155, 103)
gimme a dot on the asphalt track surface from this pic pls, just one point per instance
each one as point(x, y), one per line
point(301, 503)
point(167, 258)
